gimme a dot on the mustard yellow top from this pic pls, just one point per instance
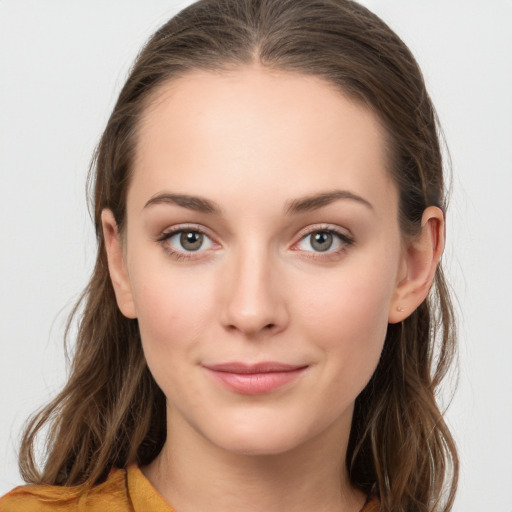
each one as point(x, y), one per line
point(124, 490)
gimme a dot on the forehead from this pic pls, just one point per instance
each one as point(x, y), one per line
point(254, 127)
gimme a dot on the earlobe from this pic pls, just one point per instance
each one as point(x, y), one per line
point(117, 265)
point(421, 257)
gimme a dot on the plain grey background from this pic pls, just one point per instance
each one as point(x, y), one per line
point(61, 66)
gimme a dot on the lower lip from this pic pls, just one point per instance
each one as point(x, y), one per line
point(256, 383)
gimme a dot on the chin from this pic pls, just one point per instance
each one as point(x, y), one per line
point(259, 445)
point(258, 436)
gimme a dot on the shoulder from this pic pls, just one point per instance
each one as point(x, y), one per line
point(110, 496)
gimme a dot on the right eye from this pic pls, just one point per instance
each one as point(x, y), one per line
point(183, 243)
point(190, 241)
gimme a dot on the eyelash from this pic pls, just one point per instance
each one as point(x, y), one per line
point(344, 239)
point(182, 255)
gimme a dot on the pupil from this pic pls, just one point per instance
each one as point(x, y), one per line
point(321, 241)
point(191, 240)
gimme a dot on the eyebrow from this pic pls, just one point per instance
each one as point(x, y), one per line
point(316, 201)
point(300, 205)
point(195, 203)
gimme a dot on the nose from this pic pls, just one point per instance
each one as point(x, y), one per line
point(254, 295)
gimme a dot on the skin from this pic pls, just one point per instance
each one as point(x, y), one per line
point(255, 143)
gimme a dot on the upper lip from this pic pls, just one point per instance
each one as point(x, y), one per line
point(263, 367)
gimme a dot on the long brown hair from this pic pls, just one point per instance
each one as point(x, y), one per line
point(111, 412)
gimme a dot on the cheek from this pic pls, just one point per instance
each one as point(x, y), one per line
point(348, 318)
point(172, 310)
point(356, 316)
point(173, 315)
point(352, 300)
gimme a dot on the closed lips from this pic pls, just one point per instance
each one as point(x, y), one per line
point(266, 367)
point(255, 379)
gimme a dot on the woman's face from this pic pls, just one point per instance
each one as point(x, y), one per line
point(262, 255)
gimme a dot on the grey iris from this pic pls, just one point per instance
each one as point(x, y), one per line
point(191, 240)
point(321, 241)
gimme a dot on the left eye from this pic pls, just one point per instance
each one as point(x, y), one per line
point(189, 241)
point(322, 241)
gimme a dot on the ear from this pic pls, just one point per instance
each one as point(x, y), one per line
point(421, 256)
point(117, 265)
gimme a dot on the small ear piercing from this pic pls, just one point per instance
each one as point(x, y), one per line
point(400, 308)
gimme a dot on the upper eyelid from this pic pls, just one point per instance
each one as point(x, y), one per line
point(316, 228)
point(168, 232)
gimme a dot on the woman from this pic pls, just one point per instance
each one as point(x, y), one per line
point(267, 322)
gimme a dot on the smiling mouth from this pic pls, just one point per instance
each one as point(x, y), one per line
point(255, 379)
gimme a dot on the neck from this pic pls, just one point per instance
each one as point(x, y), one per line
point(194, 475)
